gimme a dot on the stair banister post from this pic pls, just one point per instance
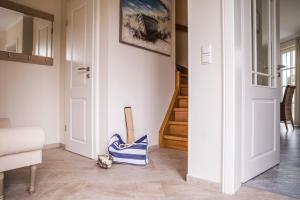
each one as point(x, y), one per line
point(178, 77)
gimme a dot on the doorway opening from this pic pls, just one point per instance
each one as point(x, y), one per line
point(173, 133)
point(174, 129)
point(284, 178)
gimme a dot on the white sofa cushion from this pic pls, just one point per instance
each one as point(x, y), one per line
point(19, 140)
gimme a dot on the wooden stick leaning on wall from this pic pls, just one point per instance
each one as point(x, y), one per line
point(129, 125)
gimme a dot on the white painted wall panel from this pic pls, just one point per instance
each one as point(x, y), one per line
point(205, 90)
point(30, 94)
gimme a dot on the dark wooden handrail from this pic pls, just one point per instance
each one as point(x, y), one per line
point(180, 27)
point(181, 68)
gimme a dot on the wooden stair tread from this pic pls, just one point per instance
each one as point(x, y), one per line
point(184, 75)
point(176, 137)
point(176, 132)
point(184, 85)
point(182, 97)
point(181, 109)
point(178, 123)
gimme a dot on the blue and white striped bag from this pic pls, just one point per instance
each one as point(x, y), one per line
point(136, 154)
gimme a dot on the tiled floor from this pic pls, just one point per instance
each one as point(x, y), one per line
point(285, 178)
point(67, 176)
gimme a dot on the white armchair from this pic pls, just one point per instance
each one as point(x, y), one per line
point(19, 147)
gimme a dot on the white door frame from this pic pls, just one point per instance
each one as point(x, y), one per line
point(232, 96)
point(95, 79)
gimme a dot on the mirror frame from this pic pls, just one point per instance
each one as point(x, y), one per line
point(21, 57)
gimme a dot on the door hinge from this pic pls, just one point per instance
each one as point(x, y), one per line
point(66, 23)
point(65, 128)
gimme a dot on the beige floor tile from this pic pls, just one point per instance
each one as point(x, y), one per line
point(67, 176)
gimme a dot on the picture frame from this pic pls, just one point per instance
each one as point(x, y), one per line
point(147, 24)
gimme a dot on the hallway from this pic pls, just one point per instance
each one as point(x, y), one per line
point(285, 178)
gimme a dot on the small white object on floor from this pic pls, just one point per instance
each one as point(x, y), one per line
point(105, 161)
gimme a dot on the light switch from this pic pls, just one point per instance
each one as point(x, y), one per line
point(206, 55)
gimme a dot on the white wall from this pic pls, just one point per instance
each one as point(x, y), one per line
point(135, 77)
point(289, 23)
point(205, 90)
point(30, 94)
point(181, 36)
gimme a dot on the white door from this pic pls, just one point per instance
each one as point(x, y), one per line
point(261, 89)
point(79, 136)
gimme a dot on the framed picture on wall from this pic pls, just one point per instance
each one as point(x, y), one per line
point(147, 24)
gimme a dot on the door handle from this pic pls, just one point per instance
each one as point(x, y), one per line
point(279, 67)
point(87, 69)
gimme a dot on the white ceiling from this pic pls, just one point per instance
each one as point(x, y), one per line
point(289, 19)
point(8, 18)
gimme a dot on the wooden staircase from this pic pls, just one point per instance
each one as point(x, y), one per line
point(174, 129)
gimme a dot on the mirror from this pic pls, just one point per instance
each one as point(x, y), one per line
point(25, 37)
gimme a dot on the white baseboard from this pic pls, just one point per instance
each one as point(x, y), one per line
point(61, 145)
point(53, 146)
point(194, 180)
point(153, 148)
